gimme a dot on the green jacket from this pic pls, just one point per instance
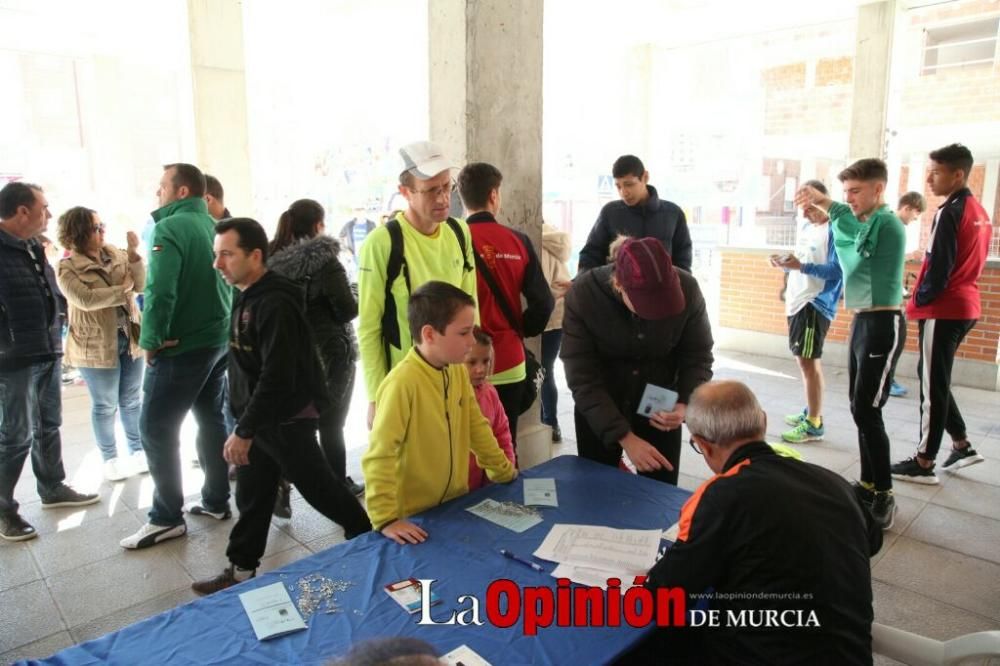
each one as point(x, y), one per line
point(185, 298)
point(871, 255)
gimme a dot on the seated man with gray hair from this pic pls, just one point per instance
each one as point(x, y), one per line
point(780, 546)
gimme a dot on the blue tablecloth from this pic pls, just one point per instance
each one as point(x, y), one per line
point(461, 554)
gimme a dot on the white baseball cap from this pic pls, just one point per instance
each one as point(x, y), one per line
point(424, 159)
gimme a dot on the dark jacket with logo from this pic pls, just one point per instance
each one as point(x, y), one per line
point(795, 537)
point(30, 319)
point(330, 304)
point(274, 373)
point(511, 259)
point(610, 354)
point(655, 218)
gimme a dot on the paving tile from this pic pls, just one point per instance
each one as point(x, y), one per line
point(74, 547)
point(279, 560)
point(131, 615)
point(963, 532)
point(203, 553)
point(87, 593)
point(907, 510)
point(17, 565)
point(51, 521)
point(919, 614)
point(965, 582)
point(987, 471)
point(306, 526)
point(29, 614)
point(328, 541)
point(43, 647)
point(967, 495)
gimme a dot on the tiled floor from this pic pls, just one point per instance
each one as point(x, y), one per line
point(938, 573)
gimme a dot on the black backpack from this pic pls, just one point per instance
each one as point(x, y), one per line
point(397, 265)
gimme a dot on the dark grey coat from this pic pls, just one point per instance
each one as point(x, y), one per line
point(610, 354)
point(330, 304)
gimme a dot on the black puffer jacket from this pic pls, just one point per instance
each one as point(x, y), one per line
point(655, 217)
point(330, 303)
point(611, 354)
point(30, 319)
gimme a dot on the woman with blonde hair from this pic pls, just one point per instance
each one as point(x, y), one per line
point(100, 282)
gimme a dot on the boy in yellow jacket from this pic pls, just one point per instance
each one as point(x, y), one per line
point(427, 419)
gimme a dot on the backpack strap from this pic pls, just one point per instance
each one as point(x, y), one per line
point(396, 265)
point(498, 295)
point(453, 223)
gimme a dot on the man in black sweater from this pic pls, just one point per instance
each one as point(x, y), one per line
point(640, 213)
point(778, 548)
point(277, 394)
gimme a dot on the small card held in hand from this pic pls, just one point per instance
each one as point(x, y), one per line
point(657, 399)
point(407, 593)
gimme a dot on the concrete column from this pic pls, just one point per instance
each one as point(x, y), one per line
point(220, 108)
point(871, 79)
point(486, 106)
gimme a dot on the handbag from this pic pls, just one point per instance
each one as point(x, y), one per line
point(534, 372)
point(134, 328)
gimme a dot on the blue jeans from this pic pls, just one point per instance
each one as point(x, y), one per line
point(173, 386)
point(30, 416)
point(115, 390)
point(550, 394)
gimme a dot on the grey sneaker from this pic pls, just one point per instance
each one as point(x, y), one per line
point(15, 528)
point(63, 495)
point(960, 458)
point(884, 508)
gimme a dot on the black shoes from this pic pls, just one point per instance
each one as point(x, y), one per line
point(225, 579)
point(357, 489)
point(884, 508)
point(63, 496)
point(15, 528)
point(556, 434)
point(283, 500)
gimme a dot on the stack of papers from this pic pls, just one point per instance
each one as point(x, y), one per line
point(590, 555)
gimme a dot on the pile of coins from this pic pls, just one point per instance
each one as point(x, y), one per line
point(315, 593)
point(517, 510)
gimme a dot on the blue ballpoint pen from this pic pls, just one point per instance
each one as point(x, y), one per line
point(511, 556)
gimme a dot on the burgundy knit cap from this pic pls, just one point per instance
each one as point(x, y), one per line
point(646, 274)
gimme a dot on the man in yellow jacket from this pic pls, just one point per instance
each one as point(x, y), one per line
point(432, 247)
point(427, 419)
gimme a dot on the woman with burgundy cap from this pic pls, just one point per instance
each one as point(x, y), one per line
point(636, 323)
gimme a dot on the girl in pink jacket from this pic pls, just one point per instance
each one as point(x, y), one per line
point(479, 361)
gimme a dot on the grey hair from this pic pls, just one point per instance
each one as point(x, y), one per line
point(725, 411)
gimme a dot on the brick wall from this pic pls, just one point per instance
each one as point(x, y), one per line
point(834, 71)
point(749, 289)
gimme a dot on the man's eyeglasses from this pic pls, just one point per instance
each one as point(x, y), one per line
point(694, 445)
point(436, 192)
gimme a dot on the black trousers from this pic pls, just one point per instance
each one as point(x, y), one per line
point(510, 397)
point(340, 384)
point(939, 340)
point(876, 342)
point(288, 451)
point(590, 446)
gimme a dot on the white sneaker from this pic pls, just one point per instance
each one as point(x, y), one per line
point(139, 463)
point(114, 470)
point(150, 535)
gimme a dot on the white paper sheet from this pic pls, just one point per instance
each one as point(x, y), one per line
point(271, 611)
point(656, 399)
point(670, 534)
point(592, 577)
point(505, 516)
point(606, 548)
point(540, 492)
